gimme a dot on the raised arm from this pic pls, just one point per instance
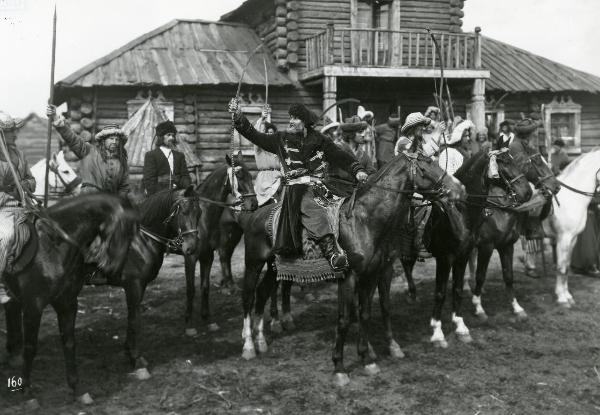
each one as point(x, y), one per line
point(268, 142)
point(77, 144)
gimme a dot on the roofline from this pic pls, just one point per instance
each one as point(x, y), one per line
point(132, 44)
point(582, 73)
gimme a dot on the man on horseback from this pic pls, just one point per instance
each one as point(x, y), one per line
point(10, 204)
point(453, 153)
point(103, 167)
point(303, 153)
point(165, 167)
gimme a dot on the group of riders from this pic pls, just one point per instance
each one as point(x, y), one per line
point(330, 160)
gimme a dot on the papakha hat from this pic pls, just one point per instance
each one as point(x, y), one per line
point(394, 121)
point(9, 123)
point(165, 128)
point(109, 131)
point(507, 122)
point(526, 126)
point(333, 124)
point(414, 119)
point(353, 124)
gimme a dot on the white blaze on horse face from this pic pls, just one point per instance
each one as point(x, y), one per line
point(58, 164)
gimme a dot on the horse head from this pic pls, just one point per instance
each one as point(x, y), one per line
point(185, 218)
point(239, 184)
point(427, 176)
point(62, 178)
point(538, 172)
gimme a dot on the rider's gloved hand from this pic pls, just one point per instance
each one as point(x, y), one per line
point(58, 121)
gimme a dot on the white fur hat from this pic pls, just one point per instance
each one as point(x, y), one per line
point(458, 131)
point(362, 113)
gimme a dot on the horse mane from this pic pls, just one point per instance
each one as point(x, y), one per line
point(575, 163)
point(469, 173)
point(156, 206)
point(380, 173)
point(213, 184)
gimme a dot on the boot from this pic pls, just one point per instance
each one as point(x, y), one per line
point(337, 260)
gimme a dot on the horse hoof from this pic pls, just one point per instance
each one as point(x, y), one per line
point(571, 301)
point(411, 299)
point(212, 327)
point(288, 325)
point(276, 326)
point(395, 351)
point(248, 354)
point(564, 304)
point(141, 374)
point(32, 405)
point(440, 344)
point(263, 347)
point(372, 369)
point(482, 317)
point(521, 316)
point(191, 332)
point(464, 338)
point(341, 379)
point(371, 352)
point(85, 399)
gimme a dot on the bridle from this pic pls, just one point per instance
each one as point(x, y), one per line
point(240, 198)
point(69, 187)
point(539, 173)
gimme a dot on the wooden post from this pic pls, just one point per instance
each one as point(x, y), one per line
point(330, 46)
point(477, 51)
point(478, 105)
point(330, 96)
point(51, 102)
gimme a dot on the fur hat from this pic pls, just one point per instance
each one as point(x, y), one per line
point(508, 123)
point(270, 126)
point(9, 123)
point(432, 110)
point(303, 114)
point(165, 128)
point(394, 121)
point(329, 126)
point(353, 124)
point(109, 131)
point(414, 119)
point(526, 127)
point(558, 142)
point(458, 131)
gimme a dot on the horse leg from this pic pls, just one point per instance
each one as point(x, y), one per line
point(442, 274)
point(66, 313)
point(484, 253)
point(263, 292)
point(190, 291)
point(287, 320)
point(366, 289)
point(458, 272)
point(134, 292)
point(14, 334)
point(472, 271)
point(230, 237)
point(564, 248)
point(32, 315)
point(251, 275)
point(408, 266)
point(274, 310)
point(346, 294)
point(205, 267)
point(506, 259)
point(384, 287)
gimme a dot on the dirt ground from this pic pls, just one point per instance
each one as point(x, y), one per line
point(549, 364)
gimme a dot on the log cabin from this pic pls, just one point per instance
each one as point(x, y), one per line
point(318, 52)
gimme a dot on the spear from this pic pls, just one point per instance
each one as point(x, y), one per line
point(50, 101)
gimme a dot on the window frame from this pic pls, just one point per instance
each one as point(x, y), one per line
point(563, 105)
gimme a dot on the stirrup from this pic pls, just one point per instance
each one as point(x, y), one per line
point(339, 262)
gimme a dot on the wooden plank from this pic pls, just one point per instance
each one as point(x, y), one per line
point(418, 47)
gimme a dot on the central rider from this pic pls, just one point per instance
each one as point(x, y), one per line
point(303, 153)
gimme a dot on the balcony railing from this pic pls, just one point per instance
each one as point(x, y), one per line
point(392, 49)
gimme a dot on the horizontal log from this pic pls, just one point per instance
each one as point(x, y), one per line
point(292, 46)
point(293, 5)
point(189, 99)
point(281, 31)
point(86, 108)
point(282, 63)
point(281, 53)
point(292, 25)
point(279, 21)
point(280, 3)
point(85, 135)
point(87, 123)
point(190, 118)
point(292, 16)
point(75, 115)
point(280, 11)
point(76, 127)
point(281, 42)
point(292, 58)
point(294, 35)
point(189, 109)
point(75, 103)
point(88, 97)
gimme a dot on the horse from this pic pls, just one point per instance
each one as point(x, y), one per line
point(449, 253)
point(579, 183)
point(500, 230)
point(367, 235)
point(51, 268)
point(225, 187)
point(62, 179)
point(167, 218)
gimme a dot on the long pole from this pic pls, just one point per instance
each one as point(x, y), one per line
point(50, 101)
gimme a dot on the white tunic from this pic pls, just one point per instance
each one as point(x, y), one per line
point(450, 160)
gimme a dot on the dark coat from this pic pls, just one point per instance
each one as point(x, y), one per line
point(385, 139)
point(296, 153)
point(157, 173)
point(7, 181)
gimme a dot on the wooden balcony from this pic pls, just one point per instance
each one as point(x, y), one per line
point(378, 52)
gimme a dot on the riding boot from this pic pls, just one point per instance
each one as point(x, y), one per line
point(337, 259)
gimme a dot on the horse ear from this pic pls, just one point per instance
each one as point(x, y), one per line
point(228, 159)
point(189, 191)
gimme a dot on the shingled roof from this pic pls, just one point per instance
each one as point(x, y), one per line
point(181, 52)
point(516, 70)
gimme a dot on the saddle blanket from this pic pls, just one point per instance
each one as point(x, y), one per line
point(311, 267)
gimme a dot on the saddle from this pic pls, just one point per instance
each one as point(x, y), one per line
point(311, 266)
point(25, 245)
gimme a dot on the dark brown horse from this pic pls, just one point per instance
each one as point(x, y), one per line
point(501, 228)
point(370, 237)
point(452, 256)
point(166, 216)
point(223, 188)
point(55, 274)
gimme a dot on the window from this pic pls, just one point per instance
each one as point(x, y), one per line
point(562, 119)
point(252, 112)
point(373, 48)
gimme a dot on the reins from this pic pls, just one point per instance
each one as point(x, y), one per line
point(581, 192)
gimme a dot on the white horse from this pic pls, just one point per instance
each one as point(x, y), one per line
point(570, 214)
point(62, 179)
